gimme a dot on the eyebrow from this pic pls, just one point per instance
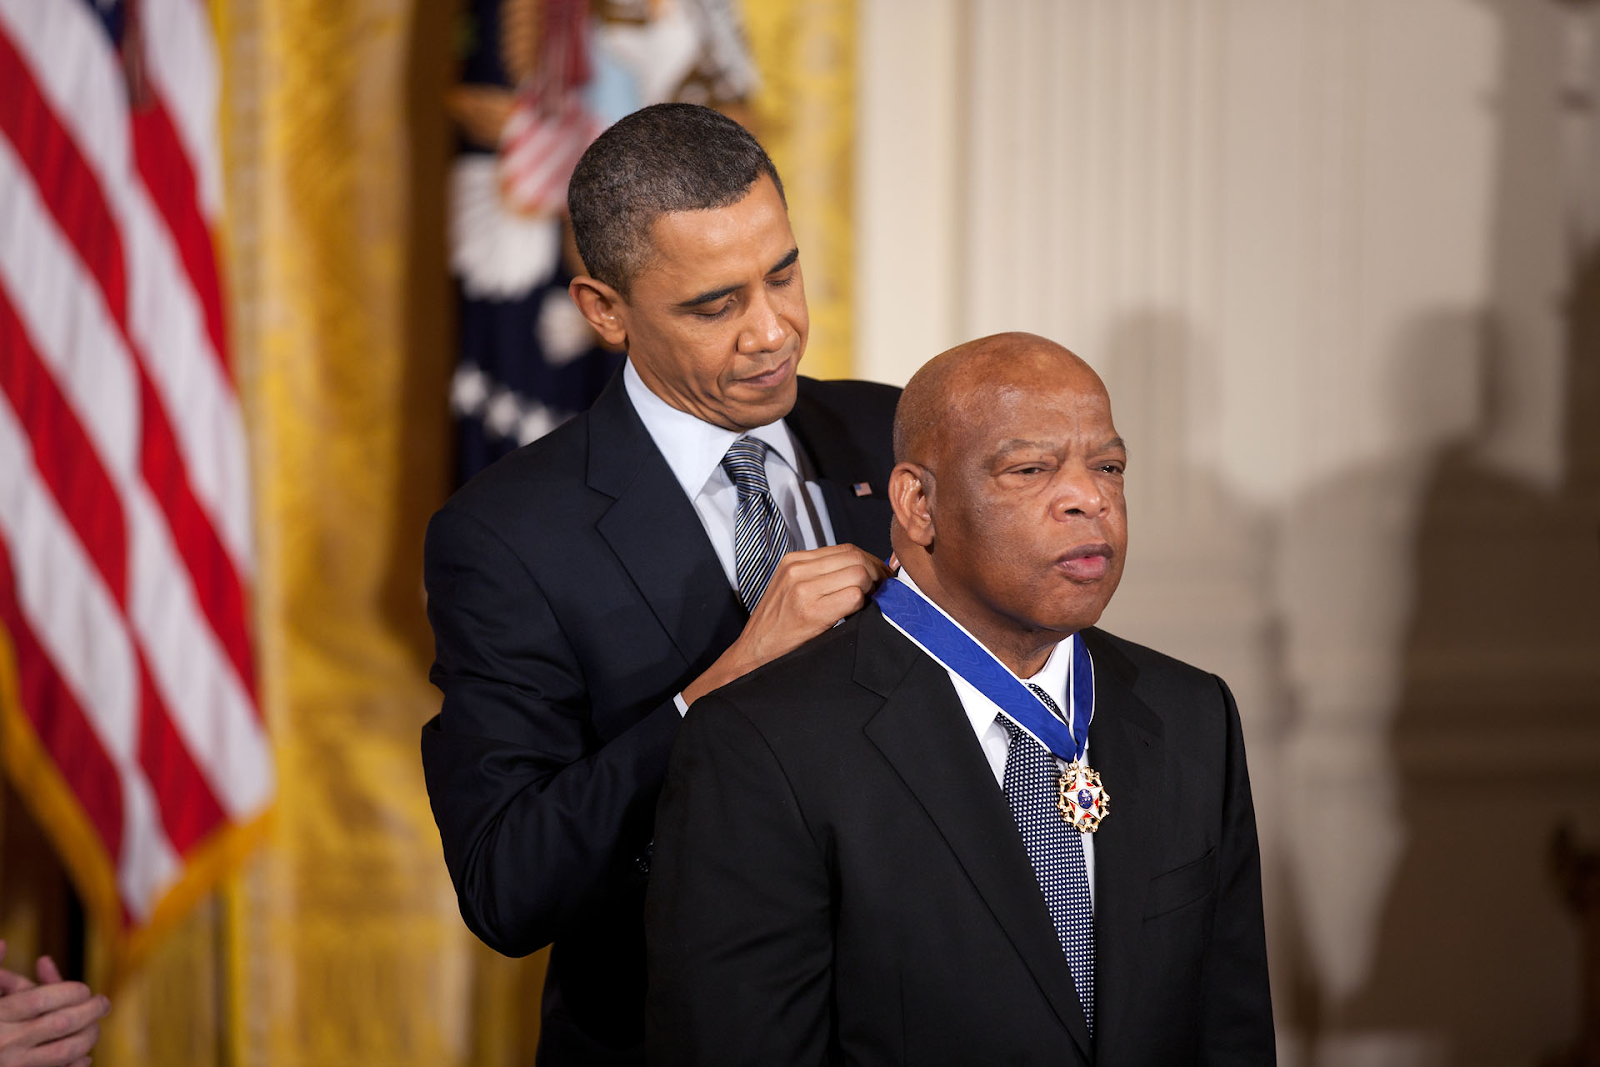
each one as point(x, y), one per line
point(710, 295)
point(787, 260)
point(1021, 442)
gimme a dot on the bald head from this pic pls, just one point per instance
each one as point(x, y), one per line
point(1008, 492)
point(940, 397)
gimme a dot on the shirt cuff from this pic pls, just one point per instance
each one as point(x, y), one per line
point(683, 709)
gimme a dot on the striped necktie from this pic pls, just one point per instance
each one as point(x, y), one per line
point(1055, 850)
point(760, 537)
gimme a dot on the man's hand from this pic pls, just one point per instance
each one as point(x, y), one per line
point(50, 1024)
point(808, 593)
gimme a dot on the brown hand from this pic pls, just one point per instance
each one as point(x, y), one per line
point(808, 593)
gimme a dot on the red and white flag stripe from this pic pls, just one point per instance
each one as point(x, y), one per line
point(539, 151)
point(125, 539)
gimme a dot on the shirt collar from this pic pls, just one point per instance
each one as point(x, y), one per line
point(693, 447)
point(1054, 677)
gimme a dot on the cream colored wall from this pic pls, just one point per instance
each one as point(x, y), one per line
point(907, 185)
point(1318, 249)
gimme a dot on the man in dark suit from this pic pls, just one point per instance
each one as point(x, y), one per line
point(589, 587)
point(864, 852)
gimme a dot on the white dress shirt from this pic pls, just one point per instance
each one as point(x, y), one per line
point(1055, 678)
point(694, 449)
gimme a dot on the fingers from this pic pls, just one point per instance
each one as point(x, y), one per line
point(877, 566)
point(800, 596)
point(813, 604)
point(48, 971)
point(841, 603)
point(816, 563)
point(821, 588)
point(798, 610)
point(69, 1049)
point(11, 982)
point(45, 999)
point(808, 592)
point(69, 1027)
point(834, 552)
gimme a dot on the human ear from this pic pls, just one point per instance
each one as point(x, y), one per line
point(602, 306)
point(910, 497)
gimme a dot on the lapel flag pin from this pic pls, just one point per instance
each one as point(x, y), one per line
point(862, 489)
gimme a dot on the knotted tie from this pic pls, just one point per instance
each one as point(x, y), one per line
point(1055, 850)
point(760, 537)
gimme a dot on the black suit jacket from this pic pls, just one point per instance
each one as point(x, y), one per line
point(838, 878)
point(572, 592)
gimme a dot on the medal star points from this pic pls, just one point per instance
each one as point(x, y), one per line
point(1077, 783)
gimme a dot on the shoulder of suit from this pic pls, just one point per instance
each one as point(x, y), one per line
point(850, 393)
point(1150, 666)
point(818, 673)
point(530, 478)
point(847, 427)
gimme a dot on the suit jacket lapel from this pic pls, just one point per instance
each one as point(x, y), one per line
point(656, 533)
point(1125, 746)
point(840, 468)
point(925, 735)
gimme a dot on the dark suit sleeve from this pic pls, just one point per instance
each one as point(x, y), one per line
point(737, 917)
point(537, 818)
point(1236, 1020)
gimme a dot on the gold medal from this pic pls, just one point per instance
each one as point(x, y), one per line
point(1082, 800)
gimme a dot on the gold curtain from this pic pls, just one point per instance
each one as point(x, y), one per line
point(339, 943)
point(805, 116)
point(343, 941)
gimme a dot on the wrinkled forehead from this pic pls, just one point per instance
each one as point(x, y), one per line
point(1046, 400)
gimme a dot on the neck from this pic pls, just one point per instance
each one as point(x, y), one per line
point(1023, 651)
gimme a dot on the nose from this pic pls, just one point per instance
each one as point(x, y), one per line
point(763, 328)
point(1079, 494)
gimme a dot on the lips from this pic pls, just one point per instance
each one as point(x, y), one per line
point(770, 378)
point(1086, 563)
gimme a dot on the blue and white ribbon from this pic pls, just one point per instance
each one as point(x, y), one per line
point(957, 651)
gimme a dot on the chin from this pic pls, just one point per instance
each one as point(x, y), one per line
point(1082, 613)
point(770, 409)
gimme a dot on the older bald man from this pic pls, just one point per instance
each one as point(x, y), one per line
point(965, 826)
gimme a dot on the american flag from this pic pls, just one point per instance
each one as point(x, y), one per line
point(127, 681)
point(540, 149)
point(550, 125)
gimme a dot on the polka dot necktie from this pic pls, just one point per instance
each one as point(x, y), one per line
point(1055, 849)
point(760, 537)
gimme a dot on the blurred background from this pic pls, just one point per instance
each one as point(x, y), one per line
point(286, 271)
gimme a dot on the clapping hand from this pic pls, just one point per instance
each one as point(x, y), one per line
point(48, 1023)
